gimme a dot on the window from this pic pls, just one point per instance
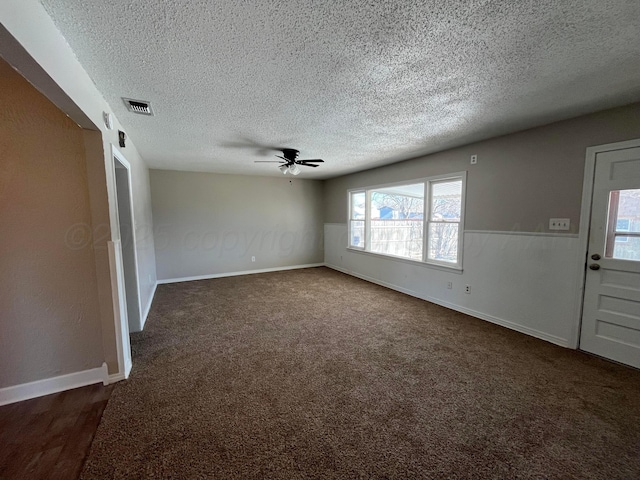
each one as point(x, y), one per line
point(623, 225)
point(395, 220)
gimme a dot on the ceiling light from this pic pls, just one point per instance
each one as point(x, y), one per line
point(284, 169)
point(294, 169)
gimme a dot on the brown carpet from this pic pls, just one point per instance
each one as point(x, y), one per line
point(315, 374)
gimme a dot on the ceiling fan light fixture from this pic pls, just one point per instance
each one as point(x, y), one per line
point(289, 162)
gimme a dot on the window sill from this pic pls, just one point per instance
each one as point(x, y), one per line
point(436, 266)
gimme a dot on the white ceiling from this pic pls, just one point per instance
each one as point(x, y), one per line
point(357, 83)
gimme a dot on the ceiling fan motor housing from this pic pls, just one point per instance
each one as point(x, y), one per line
point(291, 162)
point(290, 154)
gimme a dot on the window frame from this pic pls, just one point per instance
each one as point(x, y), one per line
point(427, 182)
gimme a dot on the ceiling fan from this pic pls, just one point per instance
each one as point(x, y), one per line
point(290, 162)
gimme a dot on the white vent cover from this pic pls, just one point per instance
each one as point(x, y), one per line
point(138, 106)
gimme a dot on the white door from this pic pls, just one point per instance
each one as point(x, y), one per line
point(611, 310)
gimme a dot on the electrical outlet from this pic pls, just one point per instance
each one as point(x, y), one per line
point(449, 285)
point(474, 159)
point(253, 259)
point(559, 223)
point(467, 289)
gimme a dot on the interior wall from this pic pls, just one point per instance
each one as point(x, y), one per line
point(208, 224)
point(50, 321)
point(41, 53)
point(522, 275)
point(520, 181)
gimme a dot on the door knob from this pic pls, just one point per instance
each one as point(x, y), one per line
point(595, 256)
point(594, 266)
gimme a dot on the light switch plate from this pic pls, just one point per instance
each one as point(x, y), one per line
point(559, 223)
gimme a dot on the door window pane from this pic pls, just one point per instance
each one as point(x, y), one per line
point(623, 225)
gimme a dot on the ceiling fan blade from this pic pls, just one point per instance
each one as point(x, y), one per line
point(267, 161)
point(317, 160)
point(308, 164)
point(252, 143)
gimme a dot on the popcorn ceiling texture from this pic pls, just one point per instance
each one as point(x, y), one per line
point(357, 83)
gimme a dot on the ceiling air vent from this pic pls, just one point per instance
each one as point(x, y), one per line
point(138, 106)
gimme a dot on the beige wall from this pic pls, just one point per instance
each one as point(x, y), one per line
point(49, 303)
point(209, 224)
point(31, 42)
point(520, 181)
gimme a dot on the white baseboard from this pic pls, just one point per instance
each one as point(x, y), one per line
point(47, 386)
point(234, 274)
point(148, 307)
point(118, 377)
point(482, 316)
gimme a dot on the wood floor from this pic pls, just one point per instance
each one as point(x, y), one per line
point(49, 437)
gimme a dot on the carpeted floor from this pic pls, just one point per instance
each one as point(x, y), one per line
point(315, 374)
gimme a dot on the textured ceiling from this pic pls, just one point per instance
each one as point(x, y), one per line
point(357, 83)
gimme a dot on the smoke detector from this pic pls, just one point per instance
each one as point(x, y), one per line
point(141, 107)
point(108, 120)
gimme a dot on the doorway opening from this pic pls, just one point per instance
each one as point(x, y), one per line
point(127, 241)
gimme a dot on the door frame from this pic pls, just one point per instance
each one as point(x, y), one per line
point(117, 155)
point(585, 226)
point(123, 345)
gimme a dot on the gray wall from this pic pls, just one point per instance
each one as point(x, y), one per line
point(49, 303)
point(209, 224)
point(520, 181)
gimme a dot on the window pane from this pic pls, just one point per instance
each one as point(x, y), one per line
point(628, 218)
point(397, 220)
point(402, 238)
point(443, 242)
point(399, 202)
point(446, 201)
point(624, 216)
point(357, 234)
point(358, 201)
point(627, 248)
